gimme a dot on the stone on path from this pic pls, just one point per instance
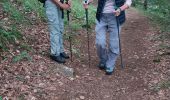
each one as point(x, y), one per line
point(64, 70)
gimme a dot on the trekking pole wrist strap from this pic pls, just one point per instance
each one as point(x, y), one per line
point(120, 9)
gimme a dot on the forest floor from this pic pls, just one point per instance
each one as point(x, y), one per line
point(143, 78)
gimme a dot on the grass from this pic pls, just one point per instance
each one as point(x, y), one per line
point(13, 12)
point(18, 16)
point(78, 15)
point(164, 46)
point(25, 47)
point(21, 11)
point(34, 6)
point(162, 85)
point(23, 55)
point(9, 36)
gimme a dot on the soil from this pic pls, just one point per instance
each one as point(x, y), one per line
point(37, 79)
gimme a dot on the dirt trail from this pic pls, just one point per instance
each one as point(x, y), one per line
point(38, 79)
point(132, 83)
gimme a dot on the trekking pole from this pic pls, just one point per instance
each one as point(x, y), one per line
point(70, 36)
point(120, 48)
point(87, 25)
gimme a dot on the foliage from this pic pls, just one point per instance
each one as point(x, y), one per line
point(8, 36)
point(24, 11)
point(78, 15)
point(158, 11)
point(21, 56)
point(18, 14)
point(162, 85)
point(13, 12)
point(34, 6)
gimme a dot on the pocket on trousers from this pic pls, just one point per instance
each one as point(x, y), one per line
point(51, 16)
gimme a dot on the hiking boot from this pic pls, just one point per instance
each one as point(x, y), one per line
point(102, 66)
point(58, 59)
point(109, 73)
point(64, 55)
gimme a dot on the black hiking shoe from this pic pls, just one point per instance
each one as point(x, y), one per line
point(102, 66)
point(58, 59)
point(109, 73)
point(64, 55)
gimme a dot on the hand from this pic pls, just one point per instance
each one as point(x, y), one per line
point(70, 2)
point(85, 4)
point(65, 6)
point(117, 12)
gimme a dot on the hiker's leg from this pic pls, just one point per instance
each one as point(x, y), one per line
point(101, 40)
point(54, 26)
point(61, 20)
point(113, 51)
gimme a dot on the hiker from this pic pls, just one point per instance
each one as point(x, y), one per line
point(106, 22)
point(54, 12)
